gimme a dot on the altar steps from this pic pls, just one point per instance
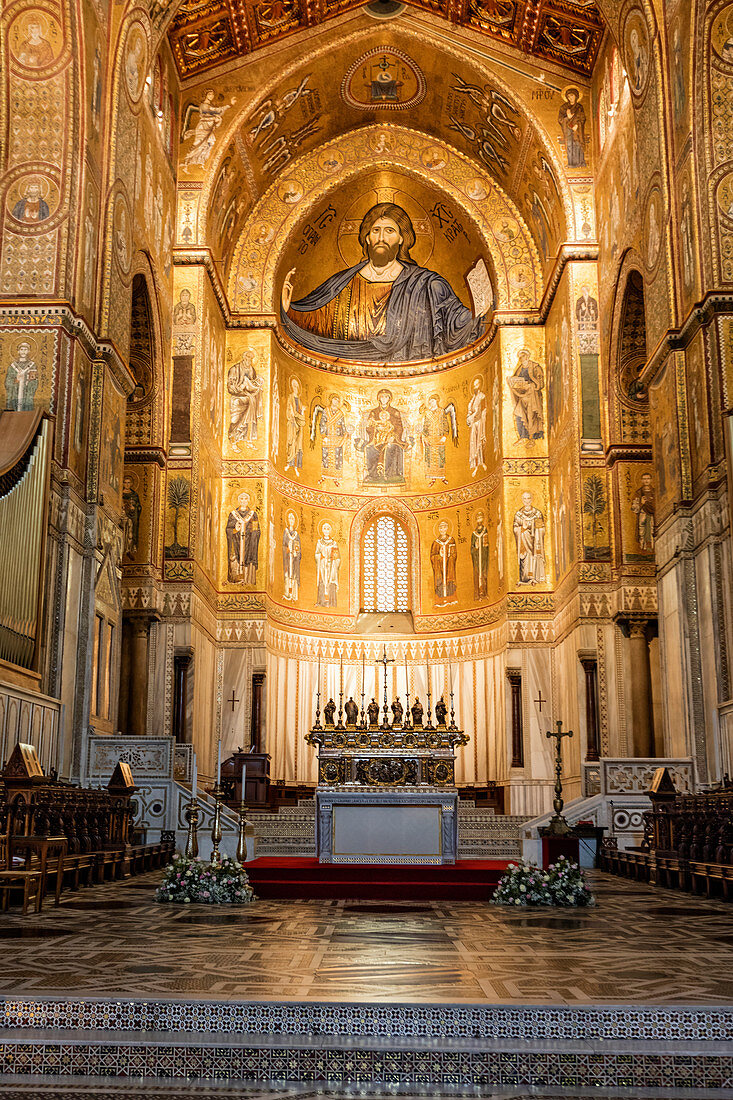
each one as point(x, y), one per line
point(465, 880)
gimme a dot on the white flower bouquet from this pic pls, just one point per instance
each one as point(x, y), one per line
point(562, 884)
point(187, 880)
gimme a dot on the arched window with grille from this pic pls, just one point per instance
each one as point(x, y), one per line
point(385, 566)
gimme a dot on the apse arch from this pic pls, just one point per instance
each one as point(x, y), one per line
point(269, 227)
point(231, 131)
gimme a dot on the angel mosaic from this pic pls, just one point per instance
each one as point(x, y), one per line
point(204, 132)
point(330, 421)
point(295, 422)
point(438, 422)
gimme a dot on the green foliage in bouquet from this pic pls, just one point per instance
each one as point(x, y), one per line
point(187, 880)
point(561, 884)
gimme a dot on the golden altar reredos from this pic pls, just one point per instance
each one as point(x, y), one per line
point(405, 753)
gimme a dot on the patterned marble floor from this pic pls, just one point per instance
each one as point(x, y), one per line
point(637, 945)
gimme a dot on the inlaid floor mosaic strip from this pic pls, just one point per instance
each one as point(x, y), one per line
point(638, 946)
point(386, 1065)
point(206, 1090)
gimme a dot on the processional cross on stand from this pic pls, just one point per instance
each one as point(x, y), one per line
point(384, 660)
point(558, 825)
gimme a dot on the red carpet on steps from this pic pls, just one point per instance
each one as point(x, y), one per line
point(305, 877)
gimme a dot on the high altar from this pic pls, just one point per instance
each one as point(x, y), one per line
point(386, 790)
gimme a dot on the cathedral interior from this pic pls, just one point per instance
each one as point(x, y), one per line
point(343, 409)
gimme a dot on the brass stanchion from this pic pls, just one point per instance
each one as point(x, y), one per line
point(192, 816)
point(241, 856)
point(216, 825)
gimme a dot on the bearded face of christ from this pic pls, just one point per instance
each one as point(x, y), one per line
point(383, 242)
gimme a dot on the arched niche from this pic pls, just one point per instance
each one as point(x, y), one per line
point(631, 350)
point(405, 517)
point(298, 199)
point(144, 421)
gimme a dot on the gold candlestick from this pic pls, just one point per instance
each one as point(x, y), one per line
point(192, 816)
point(241, 856)
point(216, 826)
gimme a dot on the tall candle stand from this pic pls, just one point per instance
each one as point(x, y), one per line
point(242, 839)
point(362, 717)
point(341, 696)
point(406, 722)
point(216, 825)
point(317, 723)
point(193, 815)
point(429, 722)
point(452, 711)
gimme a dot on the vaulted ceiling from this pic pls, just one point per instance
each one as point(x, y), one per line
point(206, 33)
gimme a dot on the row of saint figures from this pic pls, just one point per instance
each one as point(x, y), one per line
point(412, 717)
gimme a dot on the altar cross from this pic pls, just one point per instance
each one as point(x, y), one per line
point(558, 825)
point(384, 660)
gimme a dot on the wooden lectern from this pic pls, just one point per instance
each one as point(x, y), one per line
point(257, 781)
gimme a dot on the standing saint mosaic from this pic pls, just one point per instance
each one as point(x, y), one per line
point(529, 533)
point(243, 541)
point(443, 554)
point(328, 563)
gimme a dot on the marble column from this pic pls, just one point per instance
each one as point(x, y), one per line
point(181, 667)
point(590, 668)
point(514, 676)
point(639, 696)
point(137, 684)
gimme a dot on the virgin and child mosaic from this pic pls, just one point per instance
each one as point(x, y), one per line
point(386, 308)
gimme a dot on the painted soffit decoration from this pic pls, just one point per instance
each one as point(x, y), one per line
point(205, 33)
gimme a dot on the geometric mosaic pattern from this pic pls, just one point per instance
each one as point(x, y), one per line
point(639, 945)
point(383, 1064)
point(160, 1090)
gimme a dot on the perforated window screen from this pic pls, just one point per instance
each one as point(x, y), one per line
point(386, 566)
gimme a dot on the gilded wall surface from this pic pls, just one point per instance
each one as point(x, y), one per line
point(393, 268)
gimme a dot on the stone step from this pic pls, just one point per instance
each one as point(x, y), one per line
point(451, 1046)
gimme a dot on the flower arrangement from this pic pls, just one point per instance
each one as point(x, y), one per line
point(187, 880)
point(563, 884)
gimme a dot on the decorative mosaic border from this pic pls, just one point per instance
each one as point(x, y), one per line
point(392, 1066)
point(667, 1023)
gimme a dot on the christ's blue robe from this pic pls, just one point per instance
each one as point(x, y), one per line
point(424, 319)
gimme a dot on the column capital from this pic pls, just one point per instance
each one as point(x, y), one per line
point(635, 624)
point(588, 657)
